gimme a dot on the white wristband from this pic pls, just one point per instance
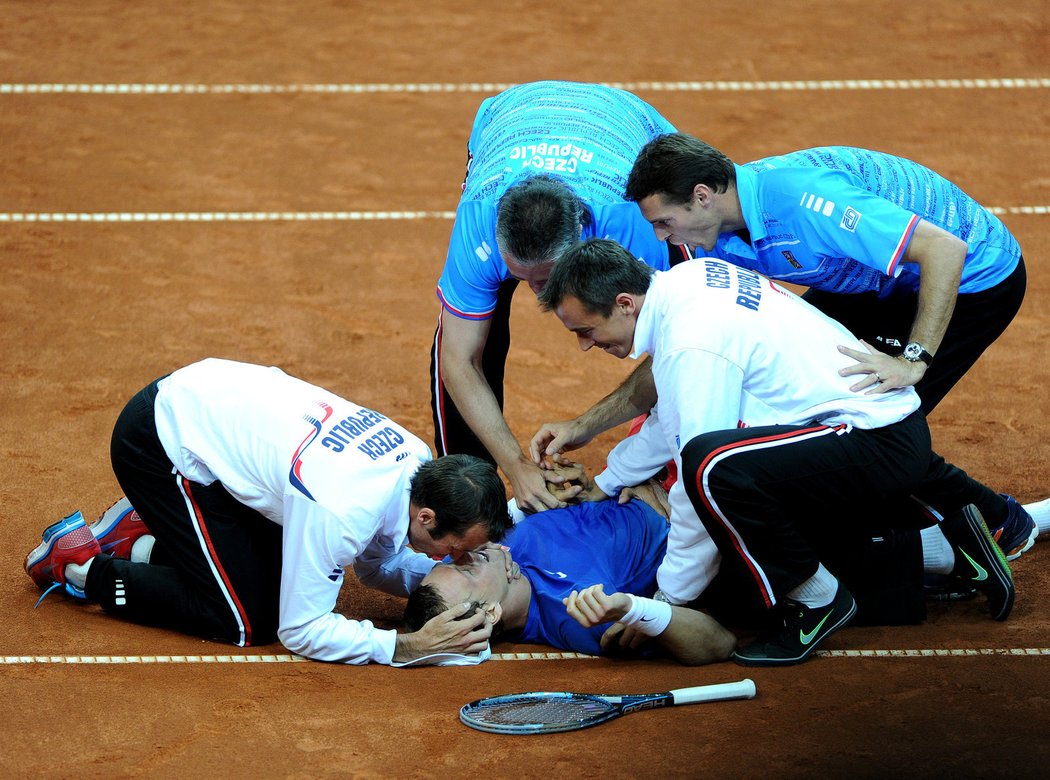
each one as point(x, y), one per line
point(649, 616)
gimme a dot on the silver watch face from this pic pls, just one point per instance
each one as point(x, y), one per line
point(913, 352)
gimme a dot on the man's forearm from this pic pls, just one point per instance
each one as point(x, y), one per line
point(695, 638)
point(933, 313)
point(940, 257)
point(637, 395)
point(478, 407)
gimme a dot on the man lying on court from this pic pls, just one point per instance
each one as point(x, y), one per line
point(583, 577)
point(252, 490)
point(558, 553)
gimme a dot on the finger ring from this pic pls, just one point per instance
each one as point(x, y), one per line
point(877, 377)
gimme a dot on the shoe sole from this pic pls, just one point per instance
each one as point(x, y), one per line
point(744, 661)
point(951, 595)
point(1024, 546)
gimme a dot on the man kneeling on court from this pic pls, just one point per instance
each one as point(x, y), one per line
point(772, 446)
point(251, 491)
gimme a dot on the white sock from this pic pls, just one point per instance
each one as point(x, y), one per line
point(142, 549)
point(818, 591)
point(1040, 512)
point(938, 557)
point(76, 573)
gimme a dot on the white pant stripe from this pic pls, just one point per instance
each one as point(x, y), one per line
point(734, 450)
point(180, 480)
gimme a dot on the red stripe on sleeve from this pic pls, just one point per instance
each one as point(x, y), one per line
point(902, 245)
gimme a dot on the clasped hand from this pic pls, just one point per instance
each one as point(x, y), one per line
point(569, 481)
point(593, 606)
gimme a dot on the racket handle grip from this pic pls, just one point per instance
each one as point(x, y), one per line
point(742, 689)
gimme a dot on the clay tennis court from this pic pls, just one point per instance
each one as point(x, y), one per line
point(274, 183)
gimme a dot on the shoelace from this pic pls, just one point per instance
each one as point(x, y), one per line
point(53, 586)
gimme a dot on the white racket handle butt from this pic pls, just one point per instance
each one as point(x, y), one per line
point(742, 689)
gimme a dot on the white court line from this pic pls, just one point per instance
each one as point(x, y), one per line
point(555, 656)
point(633, 86)
point(12, 660)
point(935, 653)
point(224, 216)
point(150, 659)
point(304, 216)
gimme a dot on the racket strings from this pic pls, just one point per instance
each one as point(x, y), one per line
point(551, 712)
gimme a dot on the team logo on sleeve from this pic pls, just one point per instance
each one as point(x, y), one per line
point(817, 204)
point(791, 259)
point(850, 218)
point(294, 475)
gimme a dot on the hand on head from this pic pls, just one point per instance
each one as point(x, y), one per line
point(463, 629)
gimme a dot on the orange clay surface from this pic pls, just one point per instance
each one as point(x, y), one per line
point(92, 310)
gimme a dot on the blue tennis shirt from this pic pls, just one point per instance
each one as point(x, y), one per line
point(585, 134)
point(840, 219)
point(561, 550)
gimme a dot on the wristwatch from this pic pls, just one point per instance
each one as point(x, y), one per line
point(661, 596)
point(914, 352)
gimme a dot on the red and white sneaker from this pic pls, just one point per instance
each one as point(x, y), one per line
point(65, 542)
point(118, 529)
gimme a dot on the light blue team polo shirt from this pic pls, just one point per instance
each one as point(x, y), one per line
point(840, 219)
point(585, 134)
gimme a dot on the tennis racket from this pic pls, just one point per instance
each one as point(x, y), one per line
point(544, 712)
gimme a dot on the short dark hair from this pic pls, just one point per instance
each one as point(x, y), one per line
point(425, 603)
point(538, 219)
point(673, 164)
point(595, 271)
point(463, 491)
